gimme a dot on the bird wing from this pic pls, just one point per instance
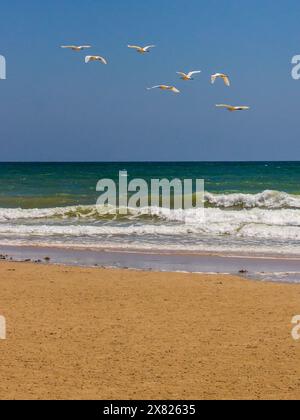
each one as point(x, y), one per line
point(135, 47)
point(213, 78)
point(102, 59)
point(68, 46)
point(174, 89)
point(89, 58)
point(191, 73)
point(85, 46)
point(154, 87)
point(226, 80)
point(230, 107)
point(181, 73)
point(148, 47)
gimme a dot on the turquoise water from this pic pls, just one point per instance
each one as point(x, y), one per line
point(251, 208)
point(66, 184)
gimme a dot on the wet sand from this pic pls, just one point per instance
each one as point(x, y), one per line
point(283, 269)
point(91, 333)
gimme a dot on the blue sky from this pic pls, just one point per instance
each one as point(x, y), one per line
point(56, 108)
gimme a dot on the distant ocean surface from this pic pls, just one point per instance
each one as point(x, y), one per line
point(250, 208)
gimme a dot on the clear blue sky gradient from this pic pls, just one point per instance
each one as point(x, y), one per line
point(56, 108)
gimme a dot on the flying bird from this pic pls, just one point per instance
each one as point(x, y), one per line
point(141, 50)
point(165, 87)
point(76, 47)
point(90, 58)
point(225, 78)
point(188, 76)
point(233, 108)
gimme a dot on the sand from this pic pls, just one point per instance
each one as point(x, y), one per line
point(81, 333)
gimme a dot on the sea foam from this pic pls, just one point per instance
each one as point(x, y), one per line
point(268, 216)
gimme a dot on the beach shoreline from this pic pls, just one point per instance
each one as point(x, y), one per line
point(92, 333)
point(242, 215)
point(264, 268)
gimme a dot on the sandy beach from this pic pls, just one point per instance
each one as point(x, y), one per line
point(91, 333)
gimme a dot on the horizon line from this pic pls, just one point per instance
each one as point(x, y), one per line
point(144, 161)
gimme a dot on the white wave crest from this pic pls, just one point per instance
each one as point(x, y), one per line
point(267, 199)
point(271, 200)
point(253, 223)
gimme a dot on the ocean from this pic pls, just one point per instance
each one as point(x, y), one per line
point(251, 209)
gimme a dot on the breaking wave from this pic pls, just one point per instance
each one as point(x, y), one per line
point(265, 200)
point(245, 220)
point(268, 200)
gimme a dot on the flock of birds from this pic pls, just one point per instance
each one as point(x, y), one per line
point(183, 76)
